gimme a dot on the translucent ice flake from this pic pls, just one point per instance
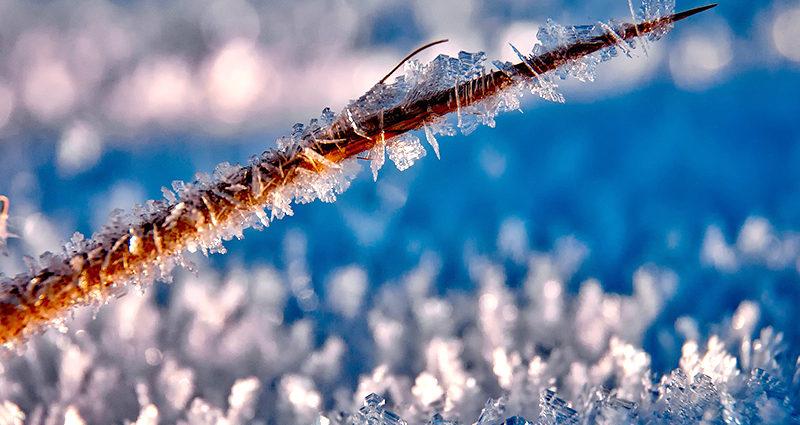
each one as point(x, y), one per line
point(656, 9)
point(279, 202)
point(492, 412)
point(545, 87)
point(299, 395)
point(554, 35)
point(373, 413)
point(766, 399)
point(297, 132)
point(683, 400)
point(284, 142)
point(484, 111)
point(225, 172)
point(404, 150)
point(471, 65)
point(555, 410)
point(377, 156)
point(419, 82)
point(437, 126)
point(181, 189)
point(438, 419)
point(542, 84)
point(610, 410)
point(324, 184)
point(429, 136)
point(326, 118)
point(517, 420)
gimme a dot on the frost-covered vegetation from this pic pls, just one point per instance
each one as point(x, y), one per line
point(201, 352)
point(307, 343)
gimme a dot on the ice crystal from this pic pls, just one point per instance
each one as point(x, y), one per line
point(555, 410)
point(431, 138)
point(493, 411)
point(377, 156)
point(373, 413)
point(404, 150)
point(326, 182)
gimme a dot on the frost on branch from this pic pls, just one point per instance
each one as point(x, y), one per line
point(316, 161)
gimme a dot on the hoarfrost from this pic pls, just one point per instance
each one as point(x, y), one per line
point(429, 136)
point(656, 9)
point(555, 410)
point(324, 183)
point(373, 413)
point(493, 411)
point(404, 150)
point(377, 156)
point(204, 359)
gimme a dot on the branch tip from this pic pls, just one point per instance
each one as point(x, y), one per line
point(687, 13)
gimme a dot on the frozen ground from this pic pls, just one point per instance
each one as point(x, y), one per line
point(634, 250)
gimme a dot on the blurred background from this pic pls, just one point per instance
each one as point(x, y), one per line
point(686, 157)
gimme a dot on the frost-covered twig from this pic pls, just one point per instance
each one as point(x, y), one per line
point(318, 161)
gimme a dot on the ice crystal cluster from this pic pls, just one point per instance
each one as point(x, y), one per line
point(317, 161)
point(227, 349)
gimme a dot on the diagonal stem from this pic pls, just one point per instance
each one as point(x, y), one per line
point(142, 251)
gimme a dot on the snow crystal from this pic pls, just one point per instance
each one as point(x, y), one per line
point(656, 9)
point(555, 410)
point(404, 150)
point(373, 413)
point(297, 133)
point(431, 138)
point(326, 118)
point(438, 126)
point(178, 384)
point(758, 243)
point(225, 172)
point(610, 410)
point(279, 202)
point(542, 84)
point(327, 181)
point(493, 411)
point(377, 156)
point(284, 143)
